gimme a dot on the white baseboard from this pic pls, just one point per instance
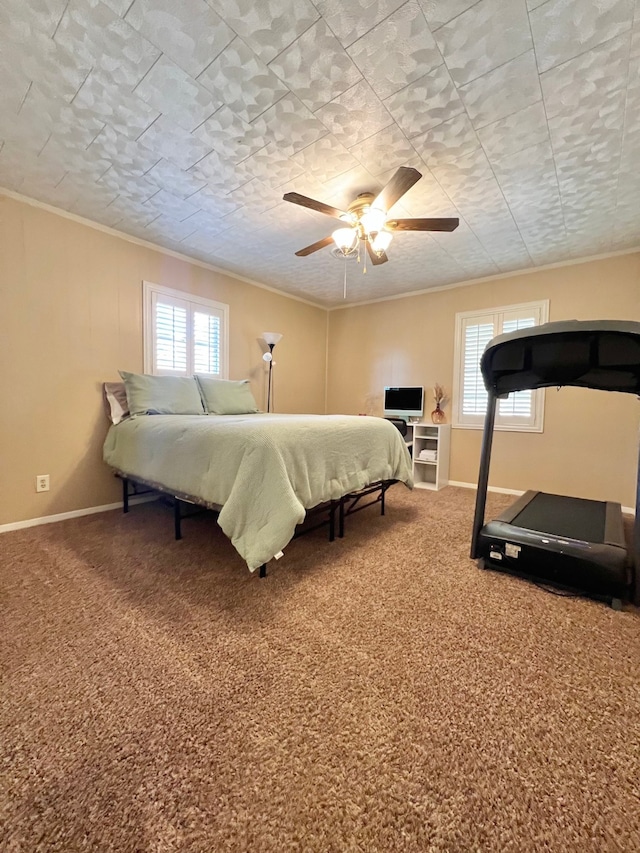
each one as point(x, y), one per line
point(75, 513)
point(490, 489)
point(627, 510)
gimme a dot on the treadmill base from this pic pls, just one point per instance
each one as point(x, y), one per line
point(570, 591)
point(596, 569)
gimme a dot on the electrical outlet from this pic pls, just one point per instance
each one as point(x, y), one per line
point(42, 483)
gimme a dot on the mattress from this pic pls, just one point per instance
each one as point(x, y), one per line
point(263, 470)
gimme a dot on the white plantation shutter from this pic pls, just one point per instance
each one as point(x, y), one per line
point(170, 336)
point(521, 410)
point(206, 343)
point(184, 334)
point(476, 337)
point(518, 404)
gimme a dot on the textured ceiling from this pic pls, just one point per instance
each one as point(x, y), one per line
point(183, 123)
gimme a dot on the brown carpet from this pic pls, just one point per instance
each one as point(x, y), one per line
point(376, 694)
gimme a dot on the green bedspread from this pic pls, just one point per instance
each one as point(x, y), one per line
point(264, 470)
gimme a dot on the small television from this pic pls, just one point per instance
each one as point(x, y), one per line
point(403, 402)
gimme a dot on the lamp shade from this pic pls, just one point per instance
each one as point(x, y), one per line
point(381, 241)
point(373, 220)
point(345, 238)
point(271, 338)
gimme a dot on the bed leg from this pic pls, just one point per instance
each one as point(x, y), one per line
point(332, 521)
point(341, 519)
point(382, 494)
point(263, 570)
point(177, 518)
point(125, 495)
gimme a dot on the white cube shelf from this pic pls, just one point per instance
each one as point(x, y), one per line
point(435, 437)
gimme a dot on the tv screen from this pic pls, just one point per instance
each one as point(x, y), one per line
point(404, 402)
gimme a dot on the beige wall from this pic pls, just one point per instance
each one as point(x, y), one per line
point(589, 447)
point(71, 316)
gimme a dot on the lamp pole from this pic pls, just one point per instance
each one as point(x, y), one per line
point(270, 339)
point(271, 346)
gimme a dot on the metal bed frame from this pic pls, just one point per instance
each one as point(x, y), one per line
point(346, 505)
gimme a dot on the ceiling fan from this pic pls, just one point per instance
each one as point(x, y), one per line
point(366, 220)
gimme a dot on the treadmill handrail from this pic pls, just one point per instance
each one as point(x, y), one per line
point(602, 355)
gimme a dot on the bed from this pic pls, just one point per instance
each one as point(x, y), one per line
point(263, 472)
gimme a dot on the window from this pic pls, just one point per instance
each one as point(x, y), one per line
point(184, 334)
point(521, 410)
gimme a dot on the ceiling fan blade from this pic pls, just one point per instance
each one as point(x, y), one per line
point(399, 184)
point(422, 224)
point(312, 204)
point(375, 259)
point(308, 250)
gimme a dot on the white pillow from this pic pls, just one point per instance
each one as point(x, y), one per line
point(115, 398)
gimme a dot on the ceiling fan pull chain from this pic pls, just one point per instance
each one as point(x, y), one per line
point(364, 263)
point(344, 295)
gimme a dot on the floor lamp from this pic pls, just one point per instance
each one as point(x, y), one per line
point(270, 339)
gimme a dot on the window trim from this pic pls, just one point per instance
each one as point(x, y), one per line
point(538, 396)
point(148, 289)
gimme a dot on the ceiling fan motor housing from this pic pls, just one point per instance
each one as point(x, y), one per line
point(357, 208)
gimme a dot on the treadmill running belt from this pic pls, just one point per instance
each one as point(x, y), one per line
point(574, 518)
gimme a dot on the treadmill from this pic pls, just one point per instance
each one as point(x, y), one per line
point(574, 544)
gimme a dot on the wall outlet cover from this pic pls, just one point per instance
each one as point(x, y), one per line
point(42, 482)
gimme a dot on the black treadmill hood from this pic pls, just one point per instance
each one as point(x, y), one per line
point(601, 354)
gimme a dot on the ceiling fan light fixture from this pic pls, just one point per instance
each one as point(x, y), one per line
point(339, 255)
point(381, 241)
point(345, 239)
point(349, 219)
point(366, 229)
point(373, 219)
